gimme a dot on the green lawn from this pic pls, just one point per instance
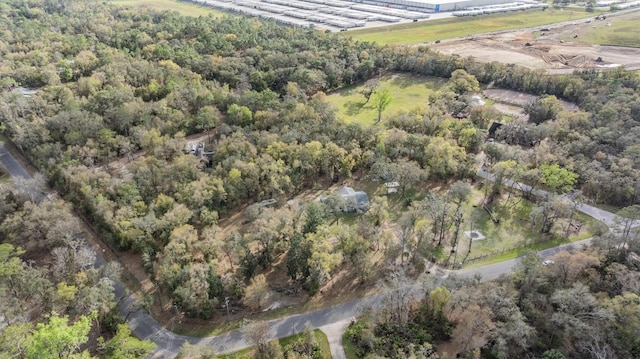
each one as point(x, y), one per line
point(622, 32)
point(321, 338)
point(184, 8)
point(407, 92)
point(206, 329)
point(505, 240)
point(515, 253)
point(349, 348)
point(248, 353)
point(4, 176)
point(514, 234)
point(424, 31)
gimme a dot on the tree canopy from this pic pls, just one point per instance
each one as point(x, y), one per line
point(122, 96)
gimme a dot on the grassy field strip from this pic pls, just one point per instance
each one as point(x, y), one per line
point(184, 8)
point(515, 253)
point(424, 31)
point(621, 32)
point(249, 353)
point(349, 348)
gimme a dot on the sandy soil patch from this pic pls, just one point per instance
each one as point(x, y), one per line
point(519, 99)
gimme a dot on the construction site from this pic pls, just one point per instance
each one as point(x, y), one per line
point(556, 49)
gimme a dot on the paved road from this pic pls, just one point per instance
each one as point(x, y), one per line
point(332, 320)
point(493, 271)
point(11, 164)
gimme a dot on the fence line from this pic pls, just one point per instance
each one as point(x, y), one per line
point(494, 253)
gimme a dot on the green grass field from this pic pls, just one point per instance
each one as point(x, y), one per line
point(407, 92)
point(622, 32)
point(4, 176)
point(514, 233)
point(249, 353)
point(349, 348)
point(184, 8)
point(424, 31)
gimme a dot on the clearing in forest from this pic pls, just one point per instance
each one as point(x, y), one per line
point(407, 92)
point(515, 231)
point(184, 8)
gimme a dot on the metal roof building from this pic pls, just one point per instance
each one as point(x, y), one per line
point(433, 5)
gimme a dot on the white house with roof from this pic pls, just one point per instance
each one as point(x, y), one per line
point(354, 201)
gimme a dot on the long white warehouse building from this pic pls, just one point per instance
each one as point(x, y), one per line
point(432, 5)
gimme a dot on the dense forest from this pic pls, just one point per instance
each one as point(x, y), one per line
point(47, 276)
point(583, 305)
point(119, 92)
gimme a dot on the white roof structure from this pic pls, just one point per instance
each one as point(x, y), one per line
point(354, 201)
point(477, 100)
point(26, 92)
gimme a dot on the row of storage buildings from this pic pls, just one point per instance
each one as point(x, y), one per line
point(494, 9)
point(343, 14)
point(628, 5)
point(304, 13)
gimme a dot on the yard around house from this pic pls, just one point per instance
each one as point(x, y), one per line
point(514, 233)
point(504, 240)
point(407, 92)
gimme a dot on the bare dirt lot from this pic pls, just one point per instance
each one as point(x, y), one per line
point(554, 48)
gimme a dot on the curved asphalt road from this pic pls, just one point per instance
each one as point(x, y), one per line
point(11, 164)
point(333, 319)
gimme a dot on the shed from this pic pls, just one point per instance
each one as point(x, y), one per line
point(392, 187)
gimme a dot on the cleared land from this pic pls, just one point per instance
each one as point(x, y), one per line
point(565, 47)
point(184, 8)
point(613, 31)
point(452, 27)
point(407, 92)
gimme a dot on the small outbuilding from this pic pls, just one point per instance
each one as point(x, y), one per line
point(392, 187)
